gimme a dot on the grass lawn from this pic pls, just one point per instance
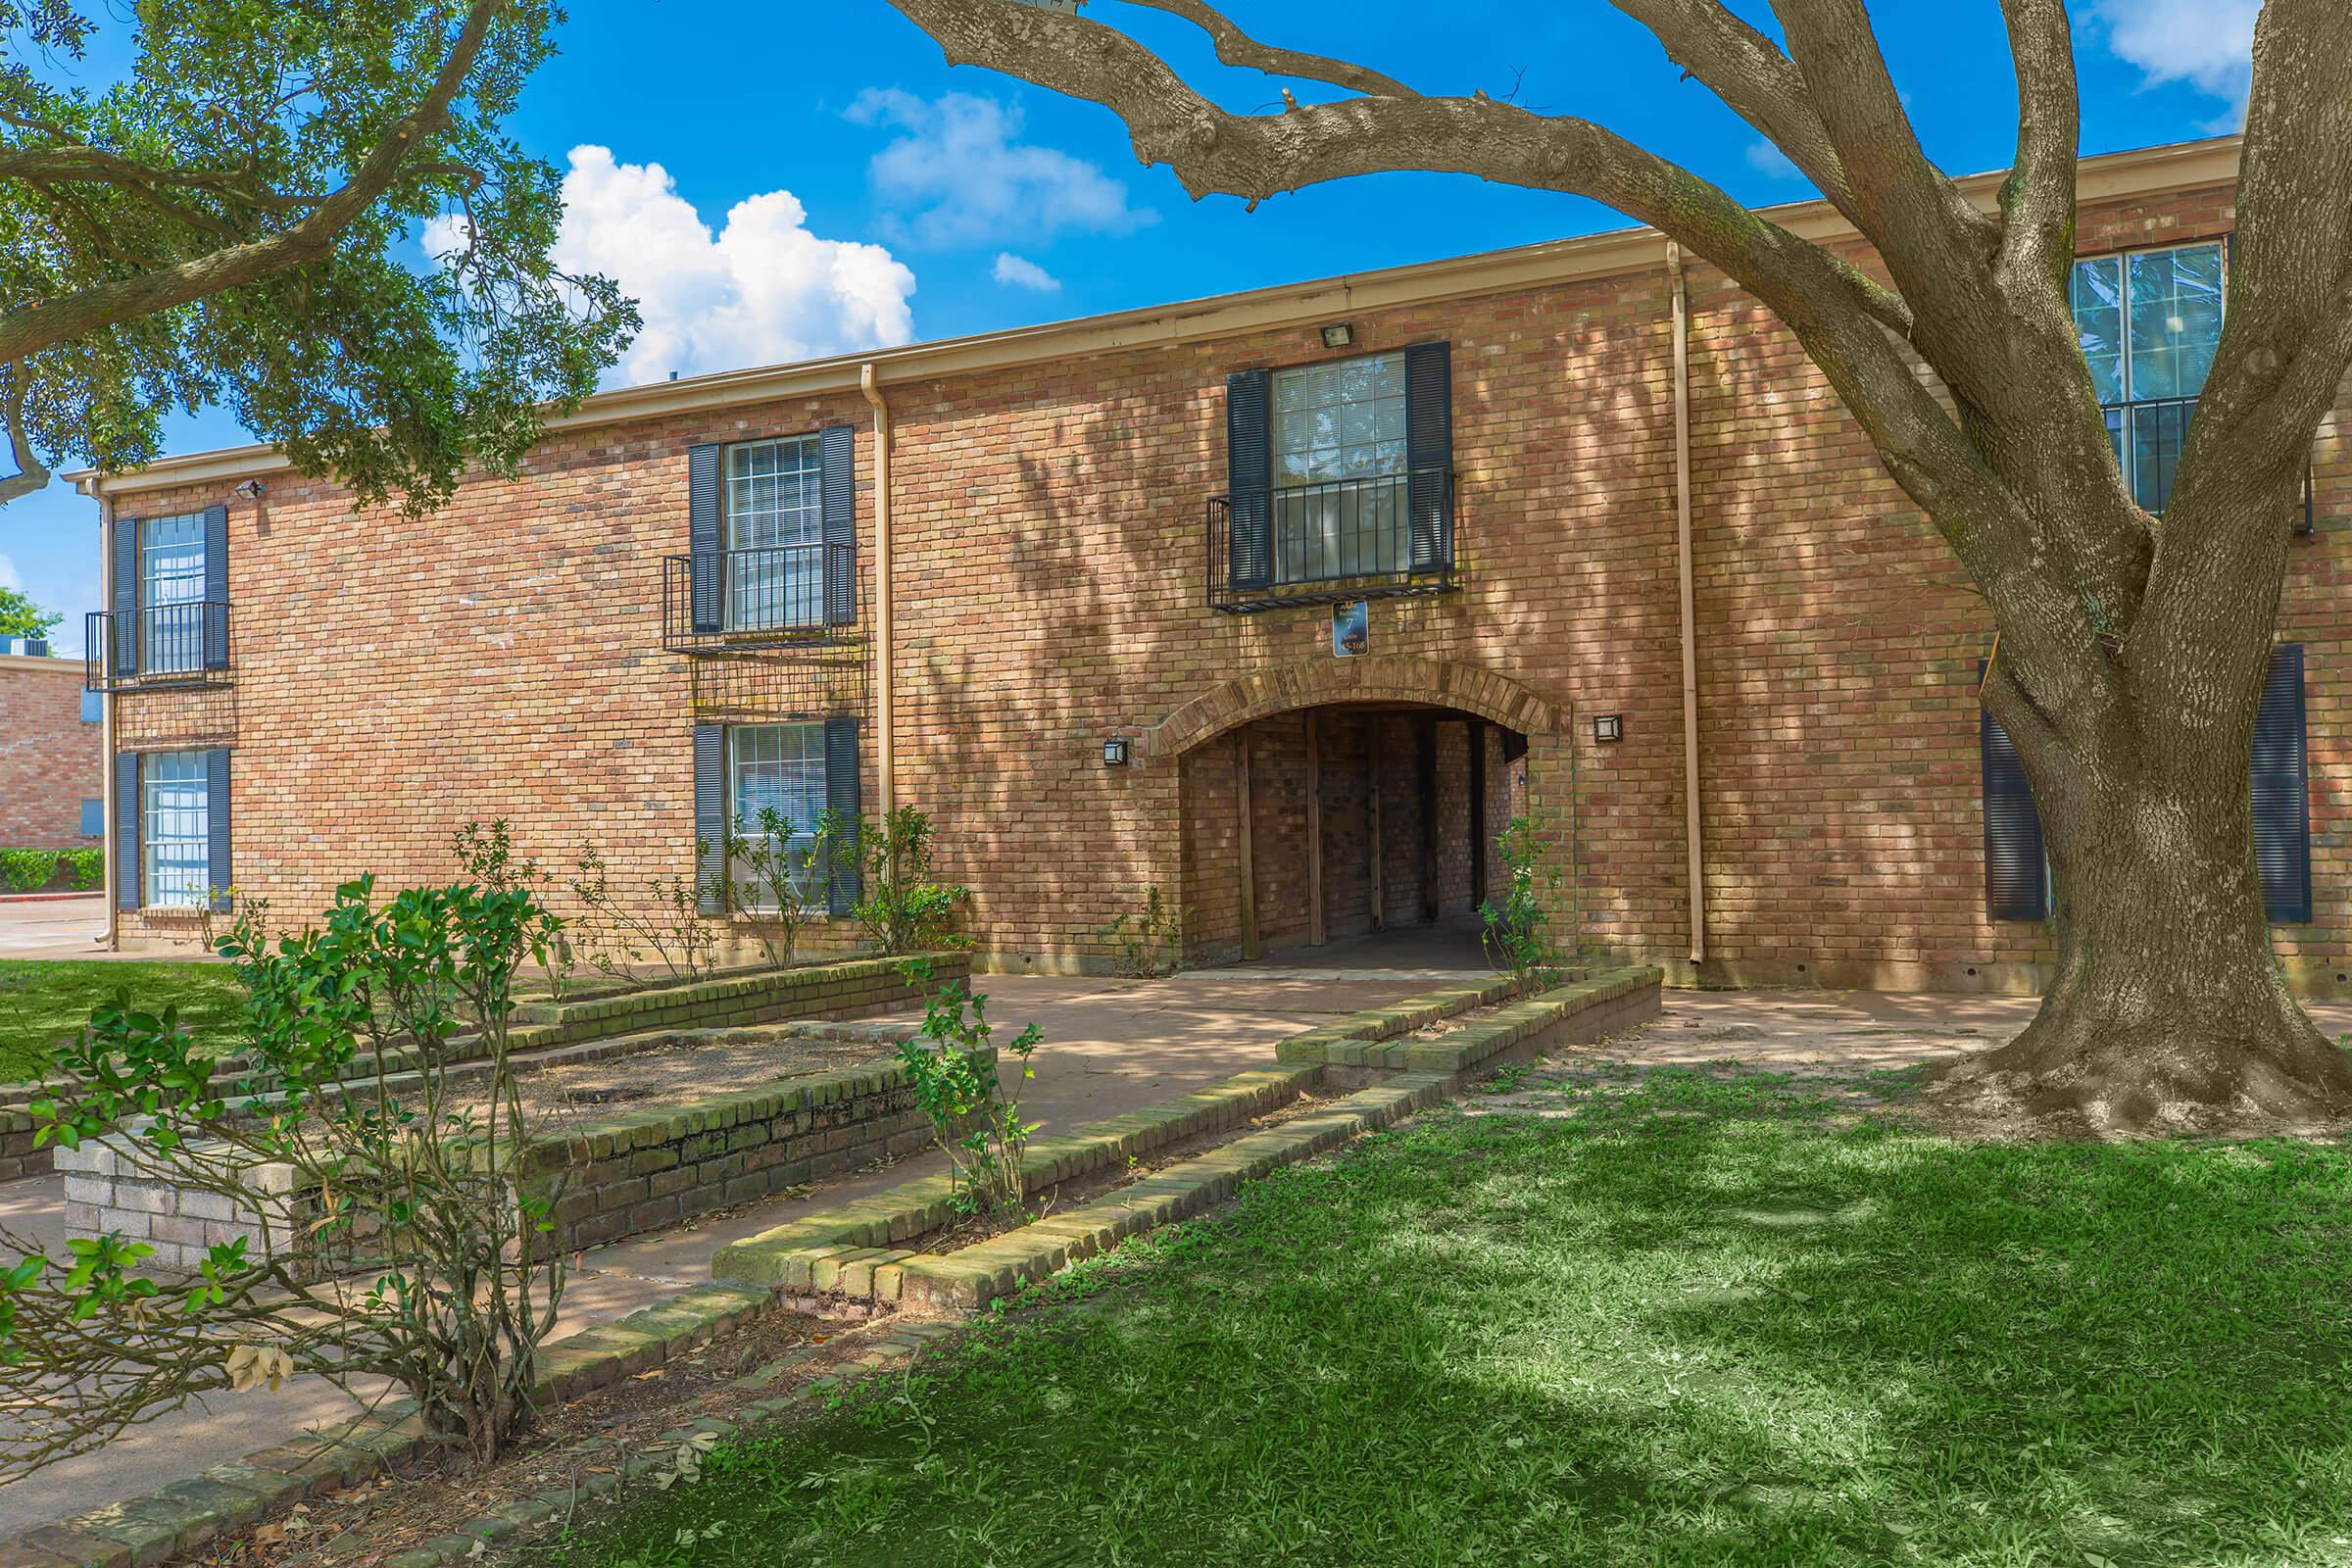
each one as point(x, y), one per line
point(1679, 1318)
point(43, 1001)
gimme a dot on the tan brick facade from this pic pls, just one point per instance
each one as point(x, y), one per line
point(50, 759)
point(395, 677)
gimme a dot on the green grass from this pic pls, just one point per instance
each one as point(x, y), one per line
point(42, 1001)
point(1702, 1317)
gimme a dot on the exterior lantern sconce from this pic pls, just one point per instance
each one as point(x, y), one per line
point(1115, 752)
point(1338, 335)
point(1608, 728)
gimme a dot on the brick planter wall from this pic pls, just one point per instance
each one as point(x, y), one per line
point(654, 1168)
point(851, 989)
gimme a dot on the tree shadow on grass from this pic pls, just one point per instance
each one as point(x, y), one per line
point(1697, 1325)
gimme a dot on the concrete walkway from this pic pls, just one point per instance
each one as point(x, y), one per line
point(1109, 1047)
point(53, 928)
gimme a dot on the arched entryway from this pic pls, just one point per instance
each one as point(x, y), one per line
point(1337, 801)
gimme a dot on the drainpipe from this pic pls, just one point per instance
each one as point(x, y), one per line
point(106, 727)
point(1694, 841)
point(885, 728)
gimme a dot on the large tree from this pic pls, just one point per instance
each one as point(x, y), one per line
point(305, 208)
point(2132, 651)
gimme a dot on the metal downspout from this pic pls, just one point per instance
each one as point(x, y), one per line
point(885, 725)
point(1694, 836)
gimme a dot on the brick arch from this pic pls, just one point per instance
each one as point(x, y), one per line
point(1373, 678)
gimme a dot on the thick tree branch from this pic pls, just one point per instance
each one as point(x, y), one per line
point(2038, 197)
point(31, 475)
point(28, 331)
point(1748, 72)
point(1237, 48)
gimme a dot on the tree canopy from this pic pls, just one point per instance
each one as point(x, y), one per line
point(20, 616)
point(304, 210)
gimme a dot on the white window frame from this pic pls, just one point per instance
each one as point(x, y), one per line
point(765, 592)
point(808, 739)
point(172, 574)
point(2122, 414)
point(1340, 470)
point(171, 822)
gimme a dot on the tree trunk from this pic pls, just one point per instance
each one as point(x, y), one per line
point(2169, 1008)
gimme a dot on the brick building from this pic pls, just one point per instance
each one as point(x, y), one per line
point(1071, 590)
point(52, 756)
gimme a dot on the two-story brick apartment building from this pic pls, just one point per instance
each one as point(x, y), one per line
point(51, 756)
point(1070, 589)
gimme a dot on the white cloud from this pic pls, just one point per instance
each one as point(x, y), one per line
point(762, 291)
point(1018, 272)
point(2206, 43)
point(959, 174)
point(10, 577)
point(1769, 161)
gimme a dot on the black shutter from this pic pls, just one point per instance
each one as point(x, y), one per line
point(126, 830)
point(214, 630)
point(2017, 877)
point(706, 564)
point(124, 596)
point(1429, 453)
point(2281, 791)
point(846, 883)
point(1249, 478)
point(218, 876)
point(709, 813)
point(837, 450)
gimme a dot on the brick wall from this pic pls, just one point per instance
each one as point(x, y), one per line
point(50, 760)
point(398, 677)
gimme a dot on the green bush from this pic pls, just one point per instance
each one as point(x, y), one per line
point(88, 868)
point(27, 871)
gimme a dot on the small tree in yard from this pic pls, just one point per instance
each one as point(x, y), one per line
point(959, 1086)
point(903, 910)
point(2132, 651)
point(1514, 924)
point(395, 1230)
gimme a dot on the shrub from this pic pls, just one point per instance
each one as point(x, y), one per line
point(1149, 943)
point(953, 1067)
point(86, 867)
point(400, 1228)
point(1514, 928)
point(903, 910)
point(27, 871)
point(608, 936)
point(778, 877)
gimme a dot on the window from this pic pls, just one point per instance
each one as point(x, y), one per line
point(172, 594)
point(779, 768)
point(775, 534)
point(2149, 322)
point(2017, 876)
point(1340, 472)
point(93, 819)
point(93, 706)
point(174, 829)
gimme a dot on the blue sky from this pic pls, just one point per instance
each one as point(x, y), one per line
point(774, 182)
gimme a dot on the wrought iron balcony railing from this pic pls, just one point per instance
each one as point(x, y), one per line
point(728, 600)
point(1313, 544)
point(184, 644)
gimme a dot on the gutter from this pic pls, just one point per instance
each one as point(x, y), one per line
point(885, 668)
point(1694, 830)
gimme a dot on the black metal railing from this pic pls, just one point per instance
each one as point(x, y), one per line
point(184, 644)
point(2150, 437)
point(715, 601)
point(1374, 538)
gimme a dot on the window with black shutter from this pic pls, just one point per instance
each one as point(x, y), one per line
point(2016, 871)
point(778, 779)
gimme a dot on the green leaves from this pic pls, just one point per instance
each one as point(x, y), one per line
point(424, 334)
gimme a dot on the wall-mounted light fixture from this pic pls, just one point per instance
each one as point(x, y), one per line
point(1338, 335)
point(1115, 752)
point(250, 490)
point(1608, 728)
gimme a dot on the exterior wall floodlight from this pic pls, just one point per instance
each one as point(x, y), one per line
point(1338, 335)
point(250, 490)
